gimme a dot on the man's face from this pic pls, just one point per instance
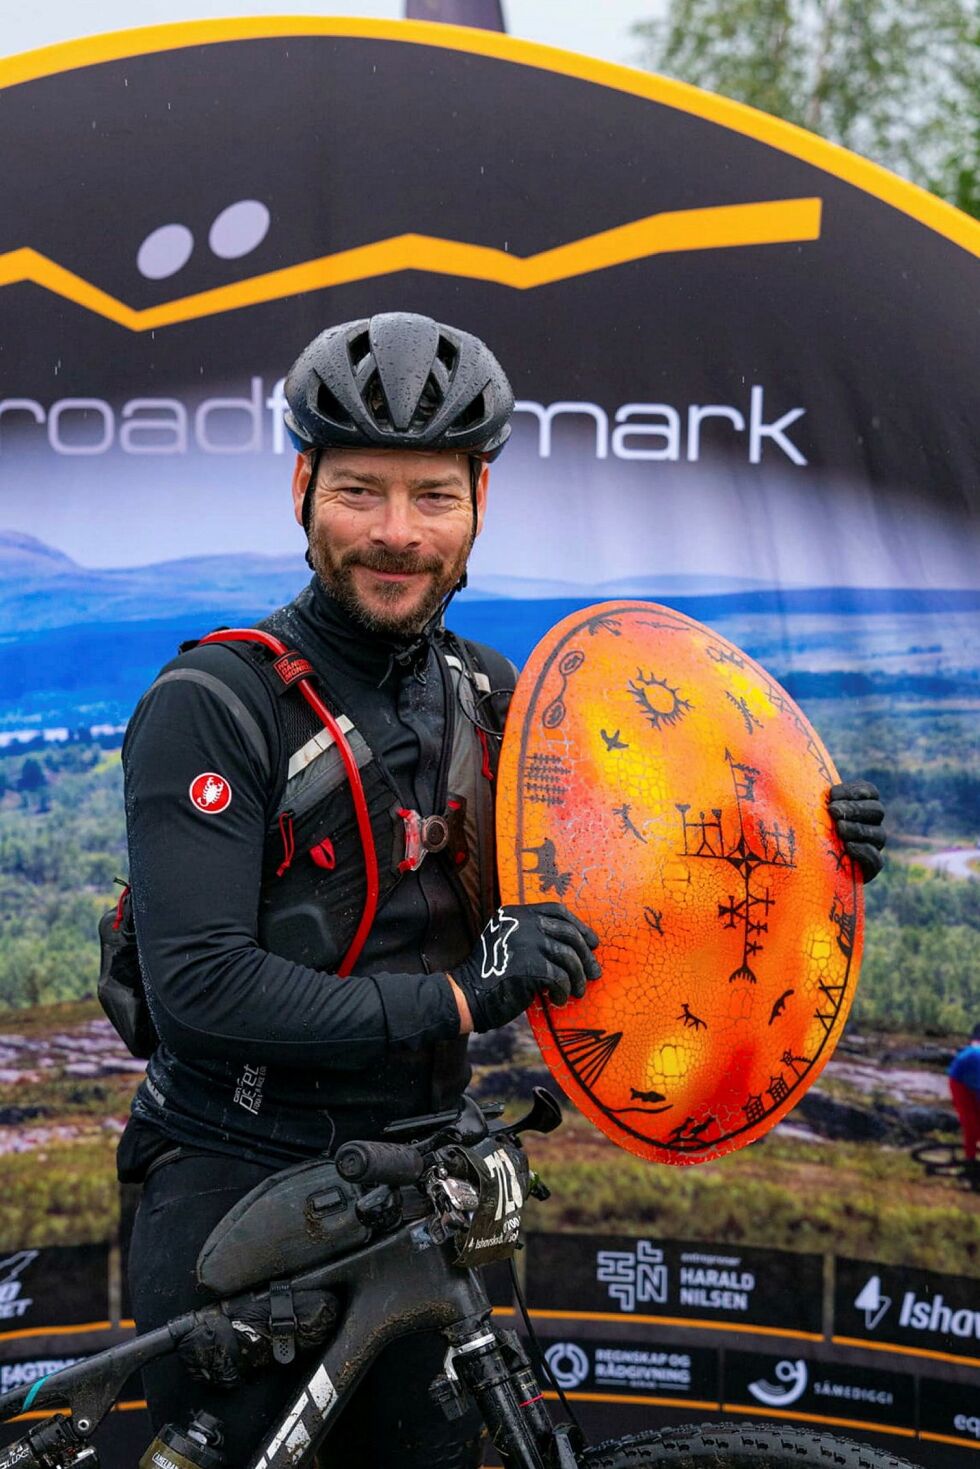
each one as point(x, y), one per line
point(390, 530)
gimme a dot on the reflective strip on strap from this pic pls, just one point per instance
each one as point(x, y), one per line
point(480, 679)
point(316, 747)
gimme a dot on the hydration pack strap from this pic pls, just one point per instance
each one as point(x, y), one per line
point(292, 668)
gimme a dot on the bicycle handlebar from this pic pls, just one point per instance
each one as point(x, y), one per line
point(371, 1162)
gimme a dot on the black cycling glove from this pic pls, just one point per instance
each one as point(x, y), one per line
point(859, 815)
point(526, 948)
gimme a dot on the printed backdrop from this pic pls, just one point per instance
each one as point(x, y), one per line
point(745, 365)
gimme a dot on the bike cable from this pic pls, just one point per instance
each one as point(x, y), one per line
point(542, 1361)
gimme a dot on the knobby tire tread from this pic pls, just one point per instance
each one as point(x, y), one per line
point(739, 1446)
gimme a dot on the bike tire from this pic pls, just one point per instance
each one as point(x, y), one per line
point(940, 1160)
point(738, 1446)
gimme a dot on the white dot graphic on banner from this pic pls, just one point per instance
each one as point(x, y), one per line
point(235, 232)
point(239, 229)
point(165, 251)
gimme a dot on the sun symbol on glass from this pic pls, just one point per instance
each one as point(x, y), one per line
point(662, 705)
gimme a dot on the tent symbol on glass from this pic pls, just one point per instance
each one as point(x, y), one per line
point(872, 1303)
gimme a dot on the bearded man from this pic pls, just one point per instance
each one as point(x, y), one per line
point(314, 894)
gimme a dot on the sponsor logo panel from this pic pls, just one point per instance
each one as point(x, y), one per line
point(645, 1367)
point(24, 1372)
point(950, 1410)
point(697, 1282)
point(60, 1286)
point(920, 1309)
point(794, 1385)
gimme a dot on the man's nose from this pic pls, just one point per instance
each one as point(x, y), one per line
point(396, 524)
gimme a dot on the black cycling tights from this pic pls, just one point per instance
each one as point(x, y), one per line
point(390, 1420)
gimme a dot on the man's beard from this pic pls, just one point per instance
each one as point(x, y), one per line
point(336, 575)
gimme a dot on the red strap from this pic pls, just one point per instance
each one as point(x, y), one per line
point(254, 635)
point(117, 921)
point(487, 768)
point(288, 842)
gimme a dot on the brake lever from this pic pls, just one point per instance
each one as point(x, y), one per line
point(466, 1126)
point(453, 1200)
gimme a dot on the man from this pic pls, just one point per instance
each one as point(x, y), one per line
point(251, 869)
point(964, 1085)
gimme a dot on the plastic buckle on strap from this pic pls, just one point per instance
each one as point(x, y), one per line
point(282, 1322)
point(423, 834)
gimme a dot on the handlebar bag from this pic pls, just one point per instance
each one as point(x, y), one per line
point(289, 1223)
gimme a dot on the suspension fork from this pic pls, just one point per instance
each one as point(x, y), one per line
point(494, 1369)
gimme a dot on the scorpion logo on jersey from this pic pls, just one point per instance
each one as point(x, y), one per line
point(210, 793)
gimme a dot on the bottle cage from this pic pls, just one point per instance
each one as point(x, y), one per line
point(293, 668)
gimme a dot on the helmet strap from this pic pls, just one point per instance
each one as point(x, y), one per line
point(476, 469)
point(308, 498)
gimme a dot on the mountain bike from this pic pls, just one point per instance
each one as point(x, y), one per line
point(946, 1160)
point(397, 1231)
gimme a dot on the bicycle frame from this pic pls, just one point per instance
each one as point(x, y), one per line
point(396, 1286)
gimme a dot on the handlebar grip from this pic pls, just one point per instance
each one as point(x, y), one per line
point(391, 1163)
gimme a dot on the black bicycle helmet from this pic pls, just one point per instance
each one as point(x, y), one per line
point(398, 381)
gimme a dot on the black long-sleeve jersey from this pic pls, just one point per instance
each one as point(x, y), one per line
point(259, 1055)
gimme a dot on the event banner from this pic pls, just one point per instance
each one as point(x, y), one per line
point(649, 1365)
point(709, 319)
point(744, 364)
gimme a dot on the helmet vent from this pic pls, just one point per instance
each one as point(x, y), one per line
point(377, 404)
point(472, 414)
point(447, 353)
point(358, 348)
point(429, 403)
point(331, 408)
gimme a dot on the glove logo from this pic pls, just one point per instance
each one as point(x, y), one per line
point(210, 793)
point(496, 954)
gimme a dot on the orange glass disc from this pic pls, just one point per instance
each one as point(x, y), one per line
point(659, 783)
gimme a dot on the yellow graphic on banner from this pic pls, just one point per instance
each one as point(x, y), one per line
point(785, 137)
point(774, 222)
